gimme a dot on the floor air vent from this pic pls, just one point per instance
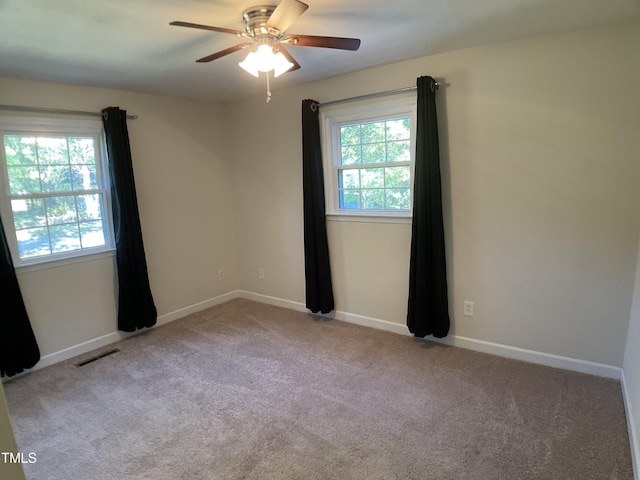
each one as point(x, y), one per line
point(97, 357)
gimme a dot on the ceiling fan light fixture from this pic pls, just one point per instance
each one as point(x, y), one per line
point(265, 27)
point(249, 64)
point(265, 60)
point(280, 64)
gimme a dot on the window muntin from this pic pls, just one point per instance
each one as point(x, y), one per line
point(374, 167)
point(368, 157)
point(55, 189)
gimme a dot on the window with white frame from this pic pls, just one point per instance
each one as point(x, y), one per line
point(368, 154)
point(55, 198)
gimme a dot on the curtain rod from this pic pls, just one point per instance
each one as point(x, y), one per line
point(372, 95)
point(18, 108)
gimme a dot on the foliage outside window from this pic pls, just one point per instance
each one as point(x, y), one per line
point(55, 200)
point(368, 156)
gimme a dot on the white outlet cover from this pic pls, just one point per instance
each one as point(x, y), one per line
point(468, 309)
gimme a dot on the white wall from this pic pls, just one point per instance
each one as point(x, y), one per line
point(180, 153)
point(632, 371)
point(539, 143)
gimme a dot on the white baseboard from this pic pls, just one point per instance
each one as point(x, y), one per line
point(531, 356)
point(338, 315)
point(115, 336)
point(79, 349)
point(507, 351)
point(278, 302)
point(196, 307)
point(631, 427)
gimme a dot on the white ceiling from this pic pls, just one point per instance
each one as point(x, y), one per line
point(129, 45)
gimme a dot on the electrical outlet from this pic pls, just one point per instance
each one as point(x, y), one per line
point(261, 274)
point(468, 309)
point(221, 274)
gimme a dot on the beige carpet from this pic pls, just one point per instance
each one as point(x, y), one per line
point(250, 391)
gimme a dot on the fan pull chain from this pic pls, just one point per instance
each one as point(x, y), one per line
point(268, 89)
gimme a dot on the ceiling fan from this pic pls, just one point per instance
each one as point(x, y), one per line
point(265, 32)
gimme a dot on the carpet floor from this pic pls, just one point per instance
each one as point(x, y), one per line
point(245, 390)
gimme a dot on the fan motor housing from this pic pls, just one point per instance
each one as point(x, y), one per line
point(256, 18)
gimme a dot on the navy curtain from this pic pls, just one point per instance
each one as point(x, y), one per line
point(136, 308)
point(428, 312)
point(18, 346)
point(319, 291)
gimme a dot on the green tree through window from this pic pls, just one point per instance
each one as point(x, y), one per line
point(368, 156)
point(373, 169)
point(56, 194)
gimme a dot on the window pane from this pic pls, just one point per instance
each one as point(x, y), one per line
point(61, 210)
point(56, 188)
point(350, 135)
point(373, 153)
point(371, 157)
point(372, 177)
point(64, 238)
point(84, 177)
point(350, 155)
point(398, 129)
point(399, 151)
point(373, 199)
point(20, 150)
point(397, 176)
point(373, 132)
point(24, 180)
point(349, 199)
point(398, 198)
point(52, 151)
point(89, 207)
point(33, 242)
point(28, 213)
point(81, 150)
point(56, 178)
point(92, 234)
point(349, 179)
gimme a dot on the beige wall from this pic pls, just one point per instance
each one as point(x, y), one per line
point(632, 370)
point(540, 146)
point(539, 160)
point(540, 169)
point(183, 176)
point(8, 471)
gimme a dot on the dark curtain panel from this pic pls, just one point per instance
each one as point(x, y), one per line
point(319, 292)
point(428, 312)
point(136, 308)
point(18, 346)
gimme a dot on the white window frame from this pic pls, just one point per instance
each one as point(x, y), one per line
point(332, 118)
point(37, 126)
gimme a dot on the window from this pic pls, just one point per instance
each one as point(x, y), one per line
point(55, 202)
point(368, 156)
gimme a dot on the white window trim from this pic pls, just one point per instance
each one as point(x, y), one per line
point(331, 118)
point(63, 127)
point(85, 256)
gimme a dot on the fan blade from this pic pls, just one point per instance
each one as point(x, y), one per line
point(207, 27)
point(285, 14)
point(224, 52)
point(325, 42)
point(288, 56)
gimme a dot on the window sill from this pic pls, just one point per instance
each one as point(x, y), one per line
point(43, 265)
point(368, 218)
